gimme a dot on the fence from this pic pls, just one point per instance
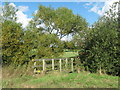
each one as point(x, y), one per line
point(63, 63)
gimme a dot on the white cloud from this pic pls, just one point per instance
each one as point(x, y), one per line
point(23, 8)
point(67, 38)
point(108, 4)
point(35, 11)
point(88, 4)
point(41, 25)
point(97, 10)
point(101, 10)
point(94, 9)
point(12, 4)
point(21, 17)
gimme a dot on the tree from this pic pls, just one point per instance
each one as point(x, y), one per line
point(61, 21)
point(103, 46)
point(11, 41)
point(9, 12)
point(80, 38)
point(69, 45)
point(39, 44)
point(11, 36)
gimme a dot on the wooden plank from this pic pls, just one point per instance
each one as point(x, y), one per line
point(46, 65)
point(43, 65)
point(66, 64)
point(60, 65)
point(72, 64)
point(56, 59)
point(35, 68)
point(49, 59)
point(38, 59)
point(34, 63)
point(52, 64)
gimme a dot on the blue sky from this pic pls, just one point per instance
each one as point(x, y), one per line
point(91, 11)
point(77, 8)
point(81, 8)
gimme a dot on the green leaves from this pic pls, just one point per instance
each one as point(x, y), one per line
point(11, 37)
point(60, 21)
point(9, 12)
point(103, 45)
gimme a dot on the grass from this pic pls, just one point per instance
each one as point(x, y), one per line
point(69, 54)
point(23, 77)
point(62, 80)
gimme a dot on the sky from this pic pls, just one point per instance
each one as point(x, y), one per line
point(91, 11)
point(81, 8)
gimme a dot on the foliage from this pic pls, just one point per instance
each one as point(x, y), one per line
point(102, 48)
point(11, 35)
point(99, 45)
point(80, 38)
point(68, 45)
point(9, 12)
point(20, 45)
point(43, 45)
point(11, 41)
point(61, 21)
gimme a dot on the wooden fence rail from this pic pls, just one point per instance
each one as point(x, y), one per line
point(53, 64)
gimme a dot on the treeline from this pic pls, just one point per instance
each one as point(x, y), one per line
point(101, 49)
point(99, 45)
point(20, 45)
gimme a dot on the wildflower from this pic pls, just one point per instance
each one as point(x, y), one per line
point(38, 71)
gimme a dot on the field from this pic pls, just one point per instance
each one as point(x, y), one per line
point(62, 80)
point(69, 54)
point(24, 78)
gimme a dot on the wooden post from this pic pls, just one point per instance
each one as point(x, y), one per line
point(66, 65)
point(72, 64)
point(60, 65)
point(35, 67)
point(43, 65)
point(100, 71)
point(52, 64)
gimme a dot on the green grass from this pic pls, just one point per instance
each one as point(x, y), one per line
point(69, 54)
point(62, 80)
point(22, 78)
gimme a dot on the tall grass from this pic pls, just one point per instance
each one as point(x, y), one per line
point(23, 77)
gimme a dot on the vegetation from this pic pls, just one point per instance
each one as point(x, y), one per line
point(98, 46)
point(102, 45)
point(61, 21)
point(21, 45)
point(16, 79)
point(69, 54)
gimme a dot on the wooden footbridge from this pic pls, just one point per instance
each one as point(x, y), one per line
point(58, 64)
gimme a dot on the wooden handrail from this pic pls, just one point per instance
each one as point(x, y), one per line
point(53, 64)
point(55, 59)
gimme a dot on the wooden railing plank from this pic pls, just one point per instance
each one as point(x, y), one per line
point(66, 64)
point(52, 64)
point(67, 61)
point(55, 58)
point(72, 64)
point(43, 65)
point(60, 65)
